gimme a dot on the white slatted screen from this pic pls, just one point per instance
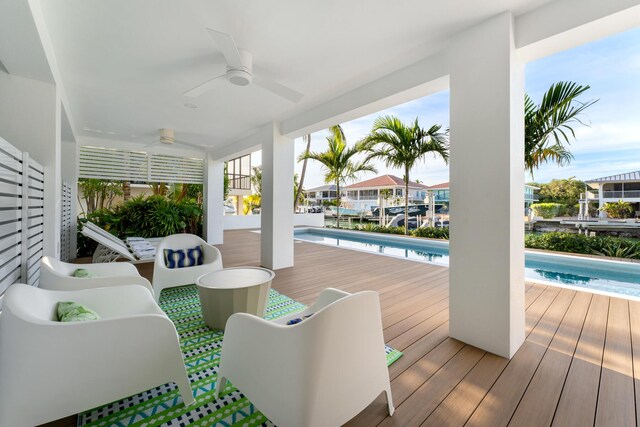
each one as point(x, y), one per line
point(122, 165)
point(21, 217)
point(66, 230)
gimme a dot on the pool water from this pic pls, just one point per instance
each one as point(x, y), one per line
point(594, 274)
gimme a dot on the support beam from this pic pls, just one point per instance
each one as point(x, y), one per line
point(487, 149)
point(213, 200)
point(277, 200)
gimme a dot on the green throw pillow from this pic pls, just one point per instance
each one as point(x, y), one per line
point(75, 312)
point(84, 273)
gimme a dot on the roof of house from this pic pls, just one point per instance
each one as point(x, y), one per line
point(438, 186)
point(623, 177)
point(323, 188)
point(385, 181)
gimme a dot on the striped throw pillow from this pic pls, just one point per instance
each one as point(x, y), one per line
point(180, 258)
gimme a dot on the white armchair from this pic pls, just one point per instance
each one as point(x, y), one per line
point(51, 369)
point(56, 275)
point(320, 372)
point(164, 277)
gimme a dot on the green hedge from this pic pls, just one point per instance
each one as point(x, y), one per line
point(581, 244)
point(429, 232)
point(548, 210)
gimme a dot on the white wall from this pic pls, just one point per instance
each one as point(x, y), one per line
point(245, 222)
point(30, 119)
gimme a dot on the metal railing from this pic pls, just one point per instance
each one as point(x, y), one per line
point(629, 194)
point(239, 182)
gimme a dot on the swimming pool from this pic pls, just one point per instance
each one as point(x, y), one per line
point(605, 276)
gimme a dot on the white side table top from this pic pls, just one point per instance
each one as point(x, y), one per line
point(235, 277)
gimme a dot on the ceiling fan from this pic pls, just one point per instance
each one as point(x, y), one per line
point(167, 137)
point(240, 71)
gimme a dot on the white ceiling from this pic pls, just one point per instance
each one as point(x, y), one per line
point(125, 63)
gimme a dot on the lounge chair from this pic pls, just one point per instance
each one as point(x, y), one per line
point(321, 371)
point(164, 277)
point(56, 275)
point(111, 248)
point(50, 369)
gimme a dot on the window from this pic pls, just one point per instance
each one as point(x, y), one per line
point(399, 192)
point(352, 194)
point(368, 194)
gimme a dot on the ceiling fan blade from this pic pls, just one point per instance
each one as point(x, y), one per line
point(204, 87)
point(228, 47)
point(190, 145)
point(278, 89)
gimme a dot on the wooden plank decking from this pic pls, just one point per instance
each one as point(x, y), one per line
point(580, 364)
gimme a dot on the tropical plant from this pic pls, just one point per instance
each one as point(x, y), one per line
point(403, 146)
point(159, 188)
point(339, 162)
point(549, 125)
point(619, 250)
point(98, 193)
point(619, 209)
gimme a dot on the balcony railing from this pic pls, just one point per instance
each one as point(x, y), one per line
point(629, 194)
point(239, 182)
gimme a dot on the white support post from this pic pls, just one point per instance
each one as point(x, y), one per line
point(487, 148)
point(213, 200)
point(277, 200)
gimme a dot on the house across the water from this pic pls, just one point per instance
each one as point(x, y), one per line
point(624, 186)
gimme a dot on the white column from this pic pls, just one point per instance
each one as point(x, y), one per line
point(277, 200)
point(213, 200)
point(487, 181)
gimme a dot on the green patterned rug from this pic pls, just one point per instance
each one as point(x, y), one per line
point(162, 406)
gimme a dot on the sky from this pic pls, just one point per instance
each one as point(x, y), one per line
point(608, 146)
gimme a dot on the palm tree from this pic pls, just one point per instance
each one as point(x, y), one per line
point(299, 190)
point(339, 163)
point(402, 146)
point(548, 126)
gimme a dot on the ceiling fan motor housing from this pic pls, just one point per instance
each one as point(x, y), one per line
point(166, 136)
point(241, 76)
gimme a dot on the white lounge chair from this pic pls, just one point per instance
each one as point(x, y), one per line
point(110, 248)
point(164, 277)
point(51, 369)
point(320, 372)
point(56, 275)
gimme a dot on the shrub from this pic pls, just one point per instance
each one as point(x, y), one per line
point(431, 232)
point(558, 241)
point(581, 244)
point(548, 210)
point(618, 209)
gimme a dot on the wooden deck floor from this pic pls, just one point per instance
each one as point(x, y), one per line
point(580, 364)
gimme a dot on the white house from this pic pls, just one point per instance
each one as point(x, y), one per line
point(613, 188)
point(441, 194)
point(364, 195)
point(319, 195)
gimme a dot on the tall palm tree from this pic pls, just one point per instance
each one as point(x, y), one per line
point(403, 146)
point(548, 126)
point(299, 190)
point(339, 163)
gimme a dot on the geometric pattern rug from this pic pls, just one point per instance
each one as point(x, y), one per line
point(201, 346)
